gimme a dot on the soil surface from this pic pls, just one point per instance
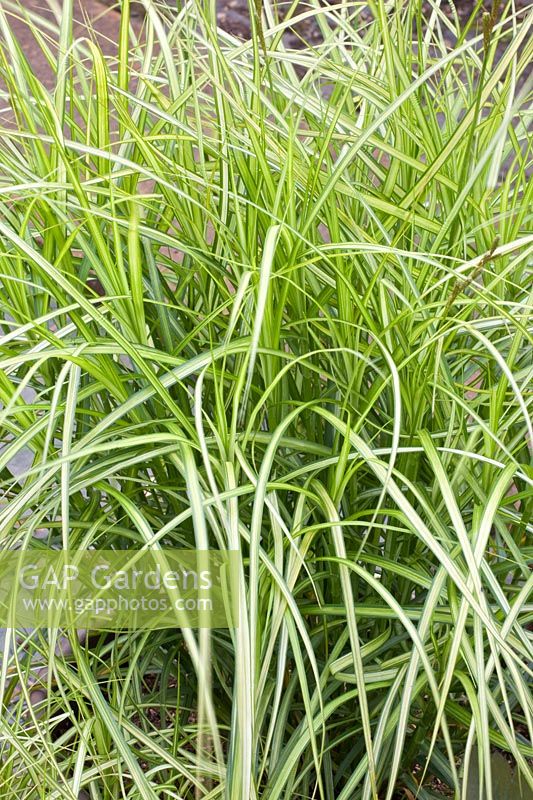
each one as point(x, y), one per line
point(233, 17)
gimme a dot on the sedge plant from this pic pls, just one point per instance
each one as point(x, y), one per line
point(275, 301)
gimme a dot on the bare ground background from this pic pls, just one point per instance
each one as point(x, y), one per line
point(232, 16)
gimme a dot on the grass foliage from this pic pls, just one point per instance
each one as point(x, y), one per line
point(279, 302)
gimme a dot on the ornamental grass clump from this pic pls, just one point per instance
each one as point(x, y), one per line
point(274, 301)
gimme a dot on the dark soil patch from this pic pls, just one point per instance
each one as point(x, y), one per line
point(233, 16)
